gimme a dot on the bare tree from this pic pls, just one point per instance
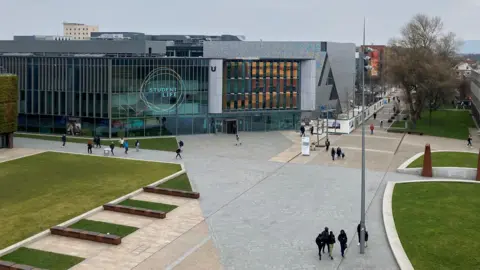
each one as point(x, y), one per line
point(421, 61)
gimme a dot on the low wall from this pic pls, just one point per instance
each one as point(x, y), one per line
point(440, 172)
point(349, 125)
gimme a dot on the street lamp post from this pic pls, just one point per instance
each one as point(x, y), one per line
point(366, 67)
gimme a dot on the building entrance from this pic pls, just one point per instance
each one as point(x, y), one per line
point(3, 140)
point(230, 126)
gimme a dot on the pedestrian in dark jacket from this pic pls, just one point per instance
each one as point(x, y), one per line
point(320, 241)
point(331, 242)
point(342, 239)
point(64, 140)
point(339, 152)
point(327, 144)
point(302, 131)
point(311, 130)
point(366, 235)
point(333, 153)
point(112, 146)
point(324, 239)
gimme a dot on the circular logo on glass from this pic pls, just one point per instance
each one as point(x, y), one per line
point(162, 90)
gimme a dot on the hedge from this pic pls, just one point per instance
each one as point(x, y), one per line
point(8, 103)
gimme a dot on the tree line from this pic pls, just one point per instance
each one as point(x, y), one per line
point(422, 63)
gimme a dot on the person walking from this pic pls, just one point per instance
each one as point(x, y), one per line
point(125, 145)
point(324, 238)
point(89, 146)
point(331, 242)
point(112, 146)
point(64, 140)
point(339, 152)
point(238, 140)
point(178, 153)
point(121, 141)
point(372, 127)
point(374, 116)
point(381, 123)
point(469, 140)
point(333, 153)
point(99, 142)
point(302, 131)
point(137, 145)
point(342, 239)
point(311, 130)
point(327, 144)
point(320, 243)
point(366, 235)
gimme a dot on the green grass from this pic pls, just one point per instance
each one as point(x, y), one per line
point(438, 224)
point(149, 205)
point(44, 190)
point(161, 144)
point(449, 159)
point(42, 259)
point(448, 123)
point(180, 182)
point(103, 227)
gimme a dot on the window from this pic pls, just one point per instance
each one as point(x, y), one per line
point(323, 46)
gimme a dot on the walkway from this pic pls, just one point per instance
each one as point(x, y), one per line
point(266, 214)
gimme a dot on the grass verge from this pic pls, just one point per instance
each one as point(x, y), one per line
point(149, 205)
point(161, 144)
point(447, 123)
point(103, 227)
point(180, 182)
point(437, 224)
point(449, 159)
point(44, 190)
point(42, 259)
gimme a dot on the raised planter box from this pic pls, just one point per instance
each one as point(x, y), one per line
point(134, 211)
point(392, 130)
point(87, 235)
point(415, 133)
point(172, 192)
point(4, 265)
point(393, 117)
point(390, 120)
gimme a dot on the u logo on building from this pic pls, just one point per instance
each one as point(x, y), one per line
point(213, 68)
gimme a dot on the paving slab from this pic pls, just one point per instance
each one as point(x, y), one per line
point(15, 153)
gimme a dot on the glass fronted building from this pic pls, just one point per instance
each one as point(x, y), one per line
point(150, 96)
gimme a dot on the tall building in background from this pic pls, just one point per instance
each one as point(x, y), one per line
point(78, 31)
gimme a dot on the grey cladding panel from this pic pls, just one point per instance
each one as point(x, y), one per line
point(79, 46)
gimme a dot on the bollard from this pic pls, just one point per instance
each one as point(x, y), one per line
point(427, 170)
point(478, 167)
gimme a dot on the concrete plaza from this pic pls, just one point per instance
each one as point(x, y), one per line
point(264, 204)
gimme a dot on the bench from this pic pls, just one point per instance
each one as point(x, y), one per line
point(87, 235)
point(172, 192)
point(134, 210)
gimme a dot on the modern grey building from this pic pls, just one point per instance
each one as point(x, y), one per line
point(132, 84)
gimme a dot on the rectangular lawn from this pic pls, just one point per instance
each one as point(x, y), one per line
point(180, 182)
point(445, 123)
point(449, 159)
point(162, 207)
point(161, 144)
point(44, 190)
point(103, 227)
point(42, 259)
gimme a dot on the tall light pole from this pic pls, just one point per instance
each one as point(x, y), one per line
point(365, 67)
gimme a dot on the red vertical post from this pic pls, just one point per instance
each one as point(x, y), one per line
point(427, 170)
point(478, 167)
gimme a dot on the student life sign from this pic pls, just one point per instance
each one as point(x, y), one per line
point(164, 91)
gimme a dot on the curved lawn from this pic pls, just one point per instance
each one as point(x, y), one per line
point(449, 159)
point(438, 224)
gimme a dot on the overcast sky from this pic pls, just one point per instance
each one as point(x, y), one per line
point(332, 20)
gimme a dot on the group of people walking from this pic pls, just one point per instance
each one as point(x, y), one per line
point(327, 239)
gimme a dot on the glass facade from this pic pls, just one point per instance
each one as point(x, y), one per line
point(261, 85)
point(151, 96)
